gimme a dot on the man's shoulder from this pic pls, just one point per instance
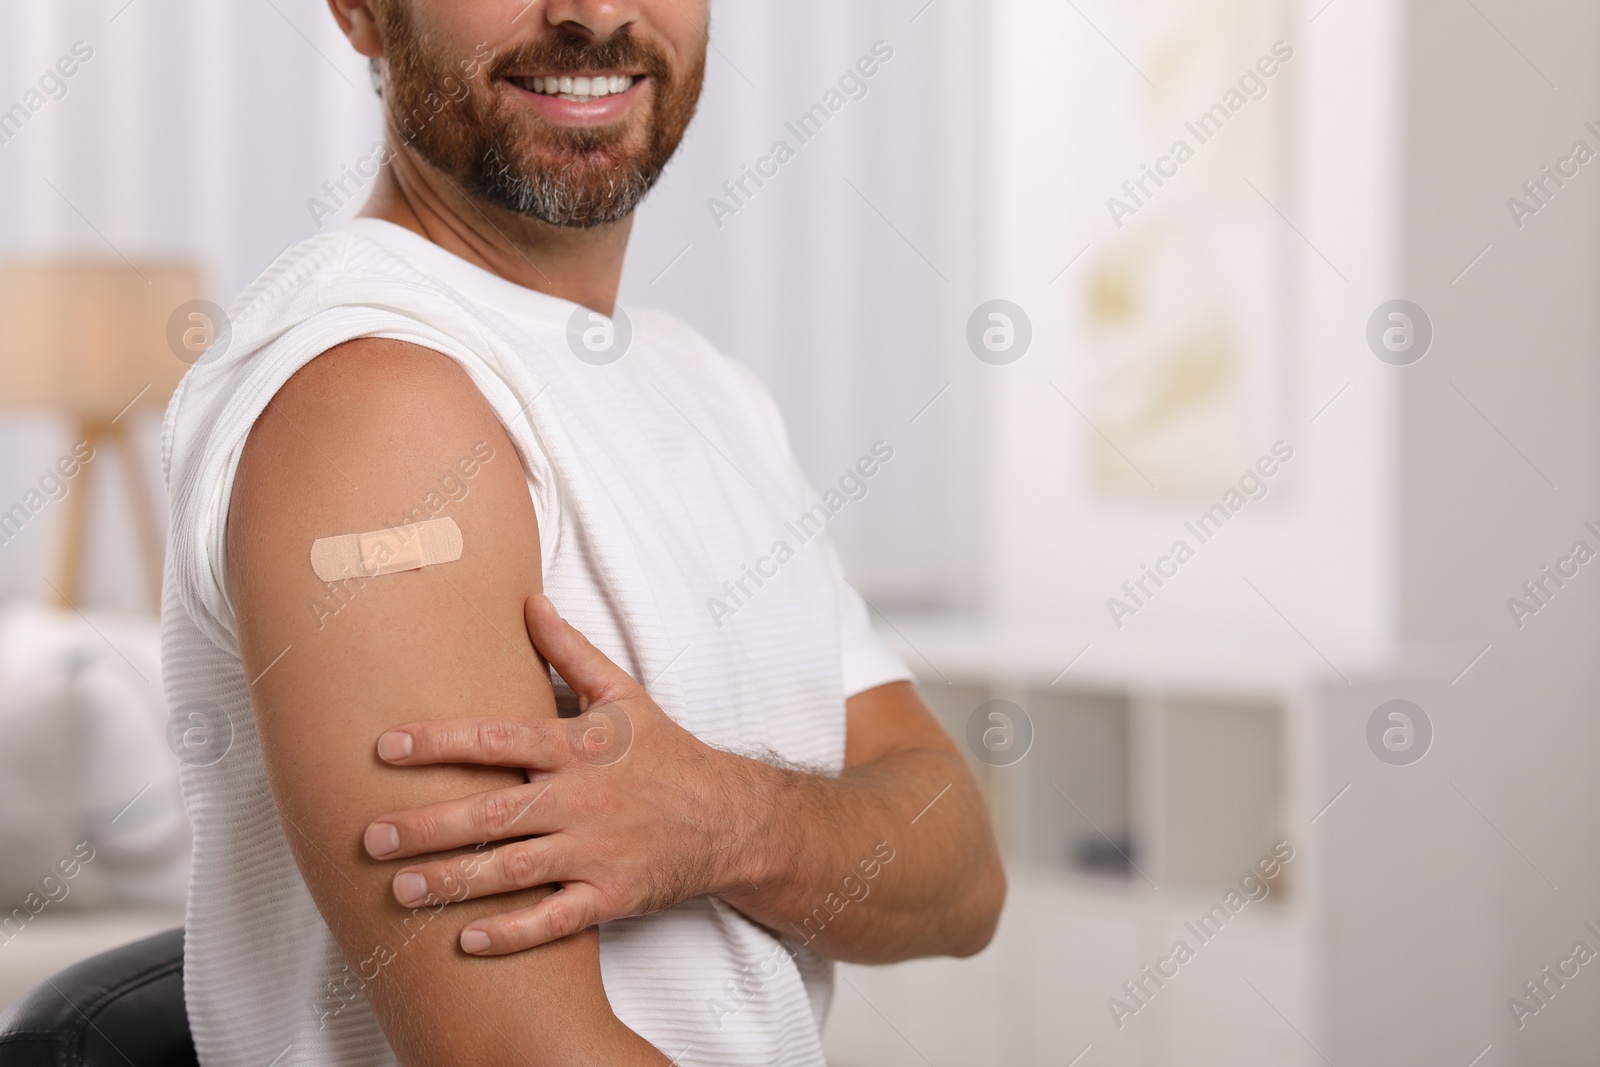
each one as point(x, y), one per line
point(315, 296)
point(313, 272)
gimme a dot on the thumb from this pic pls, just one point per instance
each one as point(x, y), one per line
point(590, 673)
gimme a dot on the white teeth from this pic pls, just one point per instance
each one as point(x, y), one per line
point(581, 88)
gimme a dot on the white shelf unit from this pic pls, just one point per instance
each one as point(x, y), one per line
point(1191, 761)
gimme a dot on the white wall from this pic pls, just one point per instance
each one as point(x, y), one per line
point(1457, 884)
point(1318, 547)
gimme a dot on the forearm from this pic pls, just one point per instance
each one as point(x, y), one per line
point(892, 860)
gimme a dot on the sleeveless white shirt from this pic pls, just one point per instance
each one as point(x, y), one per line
point(663, 485)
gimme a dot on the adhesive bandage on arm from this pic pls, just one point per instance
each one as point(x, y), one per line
point(399, 548)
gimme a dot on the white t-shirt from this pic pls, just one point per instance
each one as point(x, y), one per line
point(664, 487)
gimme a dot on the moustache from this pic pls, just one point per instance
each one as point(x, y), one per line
point(570, 54)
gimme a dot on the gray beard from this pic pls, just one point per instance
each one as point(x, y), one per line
point(560, 198)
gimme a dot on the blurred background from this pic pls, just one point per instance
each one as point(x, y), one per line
point(1238, 361)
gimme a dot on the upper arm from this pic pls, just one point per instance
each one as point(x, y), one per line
point(375, 434)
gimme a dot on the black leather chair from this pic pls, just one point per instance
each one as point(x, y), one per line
point(119, 1008)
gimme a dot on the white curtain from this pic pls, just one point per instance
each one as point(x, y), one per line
point(201, 128)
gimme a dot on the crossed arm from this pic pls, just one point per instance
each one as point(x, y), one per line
point(890, 860)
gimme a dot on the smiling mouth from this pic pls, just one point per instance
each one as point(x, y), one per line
point(579, 88)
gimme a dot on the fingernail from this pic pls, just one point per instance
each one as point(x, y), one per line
point(410, 887)
point(394, 745)
point(474, 941)
point(382, 839)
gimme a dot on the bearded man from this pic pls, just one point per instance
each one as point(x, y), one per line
point(430, 461)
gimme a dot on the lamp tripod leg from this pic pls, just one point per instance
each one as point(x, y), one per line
point(144, 519)
point(70, 566)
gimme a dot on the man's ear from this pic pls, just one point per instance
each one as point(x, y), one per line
point(360, 24)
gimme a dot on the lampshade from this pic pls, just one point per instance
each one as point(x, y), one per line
point(86, 337)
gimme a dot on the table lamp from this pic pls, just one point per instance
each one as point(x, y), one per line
point(89, 339)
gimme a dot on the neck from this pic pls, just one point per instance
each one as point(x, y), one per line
point(583, 266)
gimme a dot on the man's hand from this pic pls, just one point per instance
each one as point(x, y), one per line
point(633, 813)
